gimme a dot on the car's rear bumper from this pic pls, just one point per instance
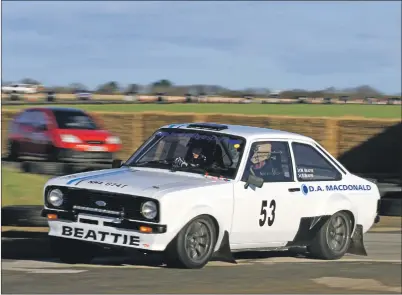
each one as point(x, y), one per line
point(377, 217)
point(71, 155)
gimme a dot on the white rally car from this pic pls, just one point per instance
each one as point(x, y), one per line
point(196, 190)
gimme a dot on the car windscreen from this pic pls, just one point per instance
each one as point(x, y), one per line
point(203, 152)
point(67, 119)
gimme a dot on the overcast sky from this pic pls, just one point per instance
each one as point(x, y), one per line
point(278, 45)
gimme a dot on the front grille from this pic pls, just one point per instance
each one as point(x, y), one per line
point(95, 142)
point(83, 200)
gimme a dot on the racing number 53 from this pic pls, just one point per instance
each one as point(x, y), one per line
point(263, 213)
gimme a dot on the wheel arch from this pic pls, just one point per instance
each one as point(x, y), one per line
point(340, 203)
point(197, 212)
point(352, 219)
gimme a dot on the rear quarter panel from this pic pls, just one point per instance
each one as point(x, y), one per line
point(362, 203)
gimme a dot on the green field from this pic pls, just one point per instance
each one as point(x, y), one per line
point(367, 111)
point(21, 188)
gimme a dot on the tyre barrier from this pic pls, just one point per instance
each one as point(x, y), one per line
point(391, 207)
point(46, 168)
point(53, 168)
point(26, 215)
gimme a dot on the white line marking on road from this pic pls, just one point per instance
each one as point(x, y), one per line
point(51, 267)
point(44, 270)
point(307, 260)
point(356, 284)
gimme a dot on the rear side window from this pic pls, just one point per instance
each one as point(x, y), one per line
point(74, 119)
point(311, 165)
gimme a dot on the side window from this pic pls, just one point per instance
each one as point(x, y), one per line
point(26, 119)
point(21, 118)
point(42, 119)
point(269, 160)
point(34, 118)
point(311, 165)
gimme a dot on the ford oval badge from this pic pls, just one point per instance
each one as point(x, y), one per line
point(100, 203)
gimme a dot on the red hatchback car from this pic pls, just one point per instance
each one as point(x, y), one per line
point(60, 134)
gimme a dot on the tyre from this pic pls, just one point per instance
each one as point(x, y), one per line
point(333, 239)
point(23, 216)
point(73, 251)
point(194, 245)
point(44, 168)
point(13, 154)
point(52, 154)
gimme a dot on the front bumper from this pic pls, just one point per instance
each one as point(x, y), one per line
point(85, 156)
point(108, 231)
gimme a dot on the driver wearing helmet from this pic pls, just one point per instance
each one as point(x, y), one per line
point(197, 159)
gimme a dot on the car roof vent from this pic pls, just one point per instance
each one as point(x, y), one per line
point(210, 126)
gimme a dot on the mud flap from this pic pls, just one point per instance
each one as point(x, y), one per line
point(224, 253)
point(357, 245)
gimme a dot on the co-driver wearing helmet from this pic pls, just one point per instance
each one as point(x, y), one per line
point(196, 160)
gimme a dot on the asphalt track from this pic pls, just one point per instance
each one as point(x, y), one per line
point(268, 272)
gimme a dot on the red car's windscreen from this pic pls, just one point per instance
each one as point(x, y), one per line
point(72, 119)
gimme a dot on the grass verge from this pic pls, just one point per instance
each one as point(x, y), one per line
point(18, 188)
point(365, 111)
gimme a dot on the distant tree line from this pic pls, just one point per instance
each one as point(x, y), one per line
point(167, 87)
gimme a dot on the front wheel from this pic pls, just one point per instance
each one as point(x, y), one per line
point(72, 251)
point(194, 245)
point(52, 154)
point(334, 238)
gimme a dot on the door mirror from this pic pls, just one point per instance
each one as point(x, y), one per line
point(117, 163)
point(254, 180)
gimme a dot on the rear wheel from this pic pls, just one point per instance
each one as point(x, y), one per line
point(72, 251)
point(333, 240)
point(194, 245)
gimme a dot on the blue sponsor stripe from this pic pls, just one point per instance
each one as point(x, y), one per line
point(97, 175)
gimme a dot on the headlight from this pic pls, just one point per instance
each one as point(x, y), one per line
point(113, 140)
point(70, 138)
point(55, 197)
point(148, 210)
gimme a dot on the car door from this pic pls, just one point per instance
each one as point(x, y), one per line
point(266, 216)
point(314, 172)
point(16, 131)
point(43, 139)
point(26, 129)
point(36, 132)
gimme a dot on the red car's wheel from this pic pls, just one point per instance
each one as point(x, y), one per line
point(13, 151)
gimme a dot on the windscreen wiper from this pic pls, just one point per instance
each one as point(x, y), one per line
point(204, 170)
point(151, 162)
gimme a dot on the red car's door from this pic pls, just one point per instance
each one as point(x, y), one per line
point(40, 135)
point(25, 133)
